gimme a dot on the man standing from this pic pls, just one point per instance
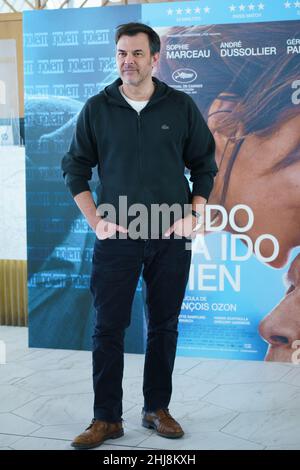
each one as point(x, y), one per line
point(141, 134)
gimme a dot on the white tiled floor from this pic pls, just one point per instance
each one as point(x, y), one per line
point(46, 399)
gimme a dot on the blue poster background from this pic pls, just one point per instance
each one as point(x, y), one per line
point(206, 62)
point(69, 56)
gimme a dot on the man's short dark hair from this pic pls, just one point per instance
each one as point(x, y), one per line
point(132, 29)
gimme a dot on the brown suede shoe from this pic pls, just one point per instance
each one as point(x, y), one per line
point(163, 423)
point(97, 432)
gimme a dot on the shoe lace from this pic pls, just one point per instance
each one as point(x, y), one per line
point(91, 424)
point(93, 421)
point(165, 414)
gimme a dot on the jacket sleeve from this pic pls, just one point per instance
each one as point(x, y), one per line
point(199, 153)
point(78, 162)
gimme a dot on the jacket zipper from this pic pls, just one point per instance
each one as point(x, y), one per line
point(140, 150)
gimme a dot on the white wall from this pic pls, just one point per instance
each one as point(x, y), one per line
point(12, 203)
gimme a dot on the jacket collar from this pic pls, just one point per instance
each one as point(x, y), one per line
point(113, 95)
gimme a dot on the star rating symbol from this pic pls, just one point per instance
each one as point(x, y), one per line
point(206, 9)
point(252, 6)
point(188, 11)
point(197, 10)
point(179, 11)
point(170, 12)
point(287, 5)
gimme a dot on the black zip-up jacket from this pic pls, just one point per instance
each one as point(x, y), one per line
point(142, 156)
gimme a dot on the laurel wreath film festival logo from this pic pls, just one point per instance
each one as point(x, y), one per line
point(184, 75)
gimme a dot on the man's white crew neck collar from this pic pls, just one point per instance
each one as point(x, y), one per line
point(135, 104)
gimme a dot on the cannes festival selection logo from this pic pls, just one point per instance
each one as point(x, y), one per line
point(184, 75)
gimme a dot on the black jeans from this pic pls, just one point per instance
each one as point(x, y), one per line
point(117, 265)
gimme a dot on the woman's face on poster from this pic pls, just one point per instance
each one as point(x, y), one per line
point(272, 195)
point(274, 198)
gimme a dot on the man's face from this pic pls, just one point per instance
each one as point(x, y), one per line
point(134, 60)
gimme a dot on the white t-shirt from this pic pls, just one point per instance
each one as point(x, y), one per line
point(137, 105)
